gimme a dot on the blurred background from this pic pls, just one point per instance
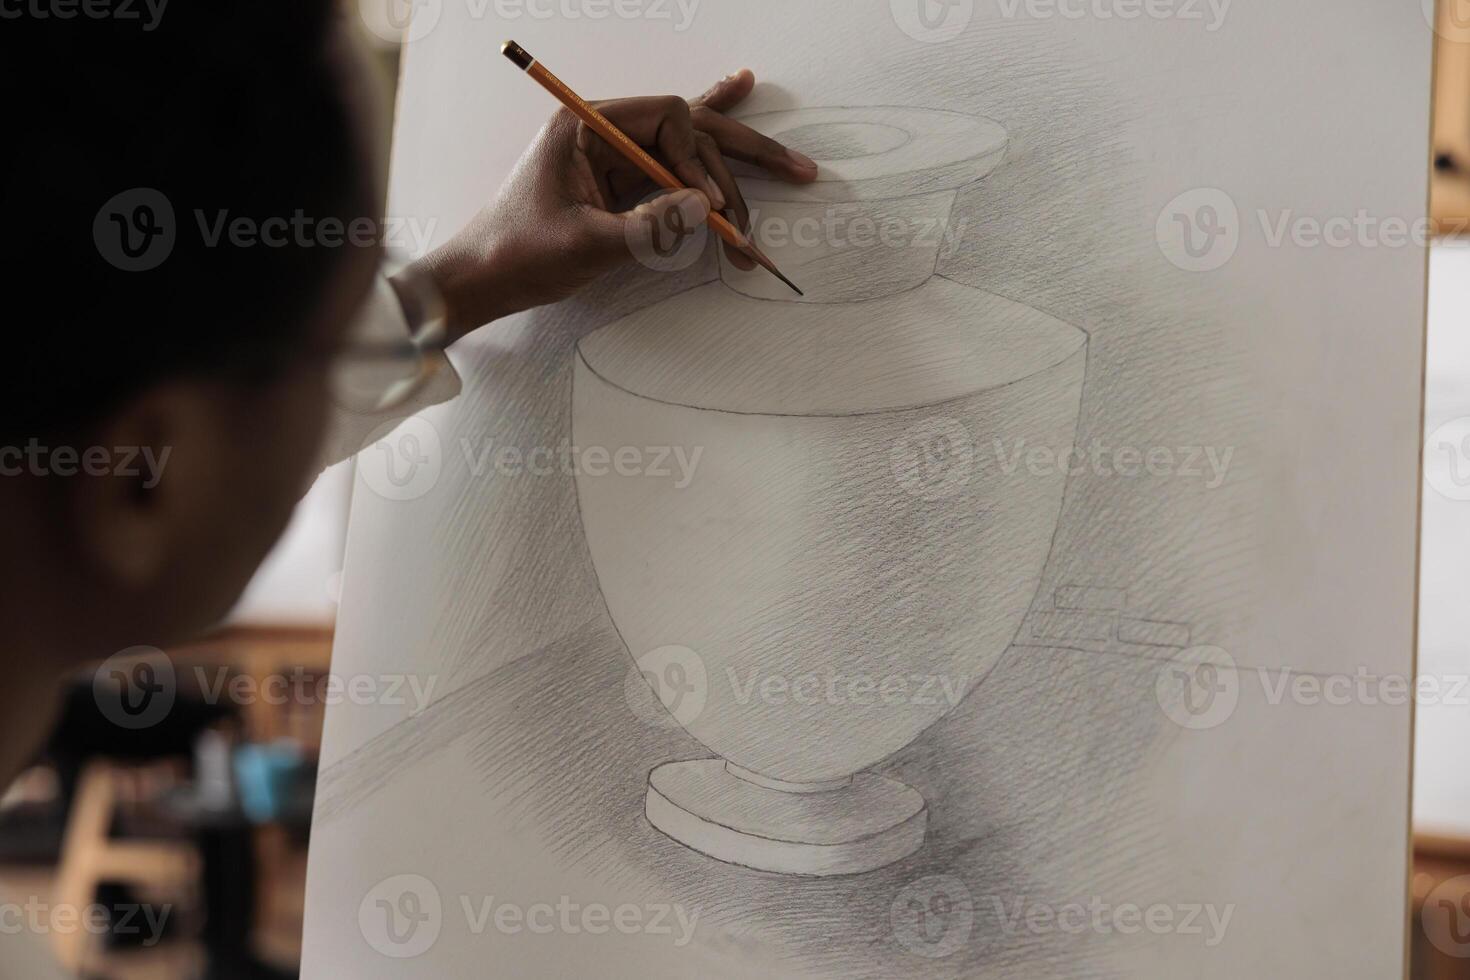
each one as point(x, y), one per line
point(192, 830)
point(1440, 889)
point(198, 824)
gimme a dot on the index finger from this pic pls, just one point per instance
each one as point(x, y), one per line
point(739, 141)
point(664, 122)
point(728, 92)
point(742, 143)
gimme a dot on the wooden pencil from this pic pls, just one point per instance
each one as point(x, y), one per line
point(639, 157)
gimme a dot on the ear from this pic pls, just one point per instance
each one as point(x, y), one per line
point(142, 481)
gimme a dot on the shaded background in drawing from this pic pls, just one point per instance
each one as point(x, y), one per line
point(1059, 779)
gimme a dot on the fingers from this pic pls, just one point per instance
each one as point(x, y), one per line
point(728, 92)
point(738, 140)
point(692, 140)
point(652, 228)
point(736, 209)
point(664, 122)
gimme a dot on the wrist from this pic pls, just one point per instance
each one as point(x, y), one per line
point(466, 277)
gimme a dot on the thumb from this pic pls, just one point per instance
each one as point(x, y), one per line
point(667, 232)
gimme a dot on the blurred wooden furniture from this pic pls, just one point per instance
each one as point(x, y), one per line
point(1439, 907)
point(1450, 184)
point(300, 655)
point(91, 857)
point(266, 681)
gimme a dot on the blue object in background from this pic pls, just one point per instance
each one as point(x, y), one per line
point(264, 776)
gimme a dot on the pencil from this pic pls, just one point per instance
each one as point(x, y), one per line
point(640, 158)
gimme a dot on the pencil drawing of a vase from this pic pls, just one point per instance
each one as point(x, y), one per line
point(862, 536)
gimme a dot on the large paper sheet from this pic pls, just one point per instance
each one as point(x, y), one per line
point(1033, 601)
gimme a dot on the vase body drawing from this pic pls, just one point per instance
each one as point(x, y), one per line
point(864, 526)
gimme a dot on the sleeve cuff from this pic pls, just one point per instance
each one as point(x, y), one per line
point(382, 321)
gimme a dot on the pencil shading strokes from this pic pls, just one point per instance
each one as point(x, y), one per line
point(889, 628)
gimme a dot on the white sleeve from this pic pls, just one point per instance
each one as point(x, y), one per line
point(382, 322)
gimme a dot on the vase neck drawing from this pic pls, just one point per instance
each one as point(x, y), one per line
point(875, 221)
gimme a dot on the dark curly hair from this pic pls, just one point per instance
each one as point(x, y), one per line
point(237, 107)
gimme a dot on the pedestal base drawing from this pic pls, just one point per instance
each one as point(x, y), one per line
point(843, 827)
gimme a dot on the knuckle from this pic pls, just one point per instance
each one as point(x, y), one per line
point(582, 238)
point(771, 148)
point(564, 125)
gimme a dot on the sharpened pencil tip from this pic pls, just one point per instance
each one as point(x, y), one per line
point(764, 261)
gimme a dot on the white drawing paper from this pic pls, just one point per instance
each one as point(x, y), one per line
point(978, 613)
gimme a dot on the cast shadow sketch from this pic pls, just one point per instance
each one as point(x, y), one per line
point(869, 622)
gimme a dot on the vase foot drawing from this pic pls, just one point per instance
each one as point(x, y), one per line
point(845, 827)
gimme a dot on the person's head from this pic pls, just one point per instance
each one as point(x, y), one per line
point(175, 282)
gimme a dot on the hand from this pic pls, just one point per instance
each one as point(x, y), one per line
point(563, 217)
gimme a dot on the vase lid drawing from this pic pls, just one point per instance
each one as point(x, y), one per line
point(878, 152)
point(876, 220)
